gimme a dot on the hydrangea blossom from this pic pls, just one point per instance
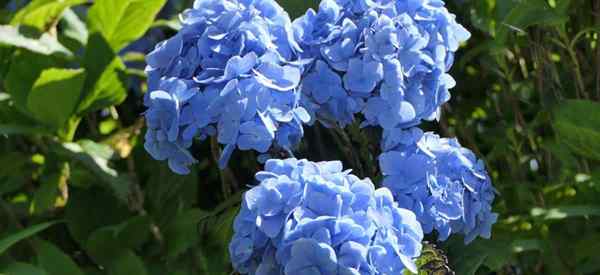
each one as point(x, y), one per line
point(443, 183)
point(315, 218)
point(386, 59)
point(231, 71)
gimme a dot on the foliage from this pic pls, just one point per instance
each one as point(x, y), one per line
point(80, 196)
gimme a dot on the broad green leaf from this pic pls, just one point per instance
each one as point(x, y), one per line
point(31, 40)
point(577, 125)
point(91, 209)
point(55, 96)
point(525, 14)
point(134, 232)
point(22, 269)
point(25, 69)
point(12, 239)
point(105, 84)
point(104, 246)
point(54, 261)
point(94, 157)
point(43, 14)
point(182, 232)
point(123, 21)
point(563, 212)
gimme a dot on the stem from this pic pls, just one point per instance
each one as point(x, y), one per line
point(216, 152)
point(345, 142)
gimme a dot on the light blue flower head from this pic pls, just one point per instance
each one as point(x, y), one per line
point(315, 218)
point(386, 59)
point(235, 66)
point(443, 183)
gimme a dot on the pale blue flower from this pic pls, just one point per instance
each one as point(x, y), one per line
point(393, 58)
point(240, 59)
point(442, 182)
point(316, 218)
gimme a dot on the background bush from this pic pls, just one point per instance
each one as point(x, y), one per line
point(79, 195)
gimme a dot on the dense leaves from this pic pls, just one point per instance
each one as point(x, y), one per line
point(79, 194)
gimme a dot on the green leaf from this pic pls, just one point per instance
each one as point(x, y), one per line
point(74, 28)
point(91, 209)
point(577, 125)
point(105, 84)
point(55, 96)
point(123, 21)
point(9, 241)
point(104, 246)
point(134, 232)
point(25, 69)
point(42, 14)
point(182, 232)
point(526, 14)
point(54, 261)
point(22, 269)
point(31, 40)
point(16, 129)
point(94, 157)
point(563, 212)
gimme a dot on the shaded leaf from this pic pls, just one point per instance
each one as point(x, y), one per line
point(94, 157)
point(22, 269)
point(91, 209)
point(12, 239)
point(577, 125)
point(54, 261)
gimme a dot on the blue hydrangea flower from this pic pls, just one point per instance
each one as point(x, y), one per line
point(316, 218)
point(235, 66)
point(385, 59)
point(443, 183)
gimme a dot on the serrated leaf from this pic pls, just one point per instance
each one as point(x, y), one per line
point(42, 14)
point(22, 37)
point(123, 21)
point(12, 239)
point(577, 125)
point(55, 96)
point(54, 261)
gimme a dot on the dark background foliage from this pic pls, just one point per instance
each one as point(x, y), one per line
point(79, 195)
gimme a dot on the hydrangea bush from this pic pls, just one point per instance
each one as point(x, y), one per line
point(241, 71)
point(316, 218)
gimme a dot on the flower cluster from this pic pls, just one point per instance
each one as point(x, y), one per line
point(231, 71)
point(386, 59)
point(315, 218)
point(442, 182)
